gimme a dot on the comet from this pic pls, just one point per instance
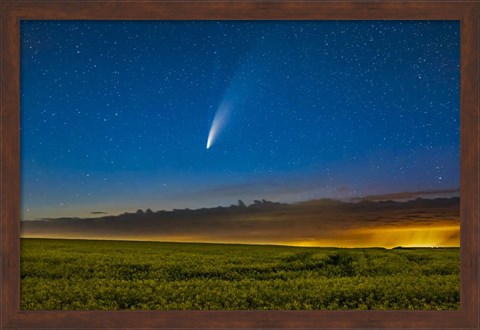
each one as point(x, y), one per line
point(218, 123)
point(239, 89)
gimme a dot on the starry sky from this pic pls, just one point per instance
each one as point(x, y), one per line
point(117, 116)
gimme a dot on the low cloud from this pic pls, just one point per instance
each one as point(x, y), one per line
point(427, 222)
point(409, 195)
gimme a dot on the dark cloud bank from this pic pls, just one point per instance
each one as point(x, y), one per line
point(322, 222)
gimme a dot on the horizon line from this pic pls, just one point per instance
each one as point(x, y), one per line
point(232, 243)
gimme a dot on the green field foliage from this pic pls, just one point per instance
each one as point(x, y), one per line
point(115, 275)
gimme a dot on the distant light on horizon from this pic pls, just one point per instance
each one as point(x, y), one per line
point(439, 236)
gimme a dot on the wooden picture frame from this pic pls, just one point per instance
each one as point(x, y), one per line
point(13, 11)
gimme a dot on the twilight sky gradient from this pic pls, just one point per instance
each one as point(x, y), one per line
point(115, 116)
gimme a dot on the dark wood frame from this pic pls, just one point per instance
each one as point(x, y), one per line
point(12, 11)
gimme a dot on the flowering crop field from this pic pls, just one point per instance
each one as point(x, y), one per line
point(116, 275)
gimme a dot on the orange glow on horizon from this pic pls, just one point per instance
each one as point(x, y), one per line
point(386, 237)
point(444, 236)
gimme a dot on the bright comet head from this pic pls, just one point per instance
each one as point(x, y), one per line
point(218, 123)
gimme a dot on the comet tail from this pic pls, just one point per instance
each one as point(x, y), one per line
point(218, 123)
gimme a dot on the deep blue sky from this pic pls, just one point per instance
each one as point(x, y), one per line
point(115, 115)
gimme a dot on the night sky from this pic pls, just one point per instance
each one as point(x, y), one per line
point(117, 116)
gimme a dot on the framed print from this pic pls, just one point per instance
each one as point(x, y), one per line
point(214, 164)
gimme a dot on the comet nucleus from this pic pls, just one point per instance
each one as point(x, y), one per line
point(218, 123)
